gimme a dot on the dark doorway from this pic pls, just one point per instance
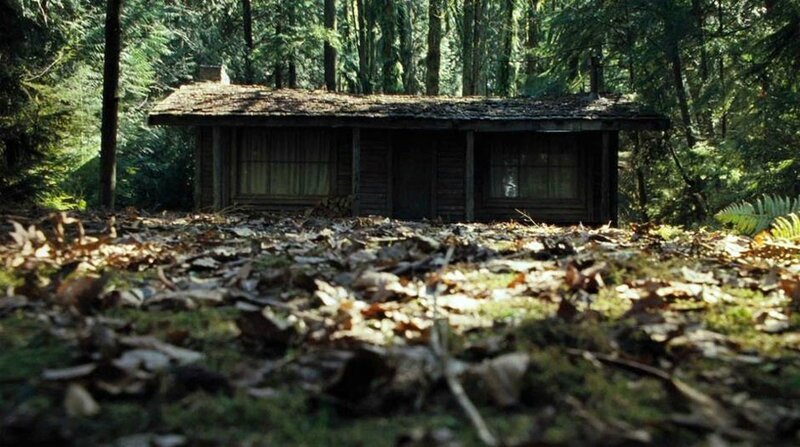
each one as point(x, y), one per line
point(411, 172)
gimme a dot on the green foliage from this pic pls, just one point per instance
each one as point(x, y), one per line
point(786, 228)
point(752, 218)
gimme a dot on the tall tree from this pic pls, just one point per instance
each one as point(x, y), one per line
point(330, 50)
point(110, 116)
point(388, 51)
point(366, 61)
point(406, 26)
point(505, 69)
point(467, 48)
point(291, 18)
point(531, 41)
point(247, 28)
point(433, 60)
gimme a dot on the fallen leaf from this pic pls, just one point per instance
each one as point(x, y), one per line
point(79, 403)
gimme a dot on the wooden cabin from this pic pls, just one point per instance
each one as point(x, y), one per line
point(407, 157)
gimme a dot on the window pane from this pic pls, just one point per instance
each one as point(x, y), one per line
point(564, 156)
point(316, 179)
point(505, 181)
point(564, 183)
point(533, 182)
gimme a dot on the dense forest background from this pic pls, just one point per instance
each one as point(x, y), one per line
point(726, 71)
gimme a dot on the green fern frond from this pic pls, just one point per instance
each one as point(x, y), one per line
point(751, 218)
point(787, 228)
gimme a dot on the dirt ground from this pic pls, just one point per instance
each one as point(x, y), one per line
point(221, 330)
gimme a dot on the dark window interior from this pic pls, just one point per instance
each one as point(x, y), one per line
point(536, 166)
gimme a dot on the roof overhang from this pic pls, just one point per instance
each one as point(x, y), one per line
point(554, 124)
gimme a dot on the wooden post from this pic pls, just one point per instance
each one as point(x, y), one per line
point(605, 179)
point(614, 182)
point(356, 171)
point(470, 177)
point(216, 150)
point(198, 169)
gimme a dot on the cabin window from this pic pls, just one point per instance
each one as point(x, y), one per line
point(534, 168)
point(284, 162)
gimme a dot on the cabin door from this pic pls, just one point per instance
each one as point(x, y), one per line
point(411, 177)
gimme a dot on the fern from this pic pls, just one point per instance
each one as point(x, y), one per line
point(751, 218)
point(786, 228)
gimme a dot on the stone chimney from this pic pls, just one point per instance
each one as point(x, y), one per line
point(212, 73)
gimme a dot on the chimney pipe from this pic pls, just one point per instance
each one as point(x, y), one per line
point(596, 74)
point(212, 73)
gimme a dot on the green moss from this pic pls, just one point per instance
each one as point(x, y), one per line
point(211, 330)
point(8, 279)
point(556, 332)
point(490, 281)
point(518, 308)
point(268, 260)
point(26, 348)
point(610, 304)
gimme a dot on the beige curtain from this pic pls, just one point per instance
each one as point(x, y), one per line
point(284, 162)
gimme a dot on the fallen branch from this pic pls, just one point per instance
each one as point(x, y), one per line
point(439, 348)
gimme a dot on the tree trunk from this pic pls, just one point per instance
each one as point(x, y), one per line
point(364, 50)
point(504, 74)
point(292, 19)
point(531, 42)
point(680, 92)
point(640, 161)
point(281, 49)
point(108, 131)
point(407, 48)
point(389, 71)
point(433, 61)
point(723, 125)
point(478, 50)
point(467, 49)
point(247, 26)
point(330, 51)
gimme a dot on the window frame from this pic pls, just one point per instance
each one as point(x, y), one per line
point(531, 142)
point(265, 132)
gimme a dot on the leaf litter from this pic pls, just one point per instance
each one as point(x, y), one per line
point(556, 328)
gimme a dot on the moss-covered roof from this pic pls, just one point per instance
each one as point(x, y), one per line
point(207, 102)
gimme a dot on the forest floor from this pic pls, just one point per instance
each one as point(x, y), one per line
point(220, 330)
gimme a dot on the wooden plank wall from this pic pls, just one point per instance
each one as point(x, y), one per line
point(375, 177)
point(204, 169)
point(450, 188)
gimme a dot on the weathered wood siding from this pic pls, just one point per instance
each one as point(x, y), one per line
point(449, 185)
point(204, 169)
point(375, 172)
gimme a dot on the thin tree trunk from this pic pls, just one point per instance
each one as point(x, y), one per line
point(281, 49)
point(724, 119)
point(639, 161)
point(110, 118)
point(407, 48)
point(478, 50)
point(680, 92)
point(433, 60)
point(389, 71)
point(292, 19)
point(467, 49)
point(504, 74)
point(247, 26)
point(330, 51)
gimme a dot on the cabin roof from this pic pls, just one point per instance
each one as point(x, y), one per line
point(210, 103)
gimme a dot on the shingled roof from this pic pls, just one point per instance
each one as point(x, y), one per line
point(211, 103)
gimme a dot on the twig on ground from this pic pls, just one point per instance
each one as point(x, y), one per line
point(440, 349)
